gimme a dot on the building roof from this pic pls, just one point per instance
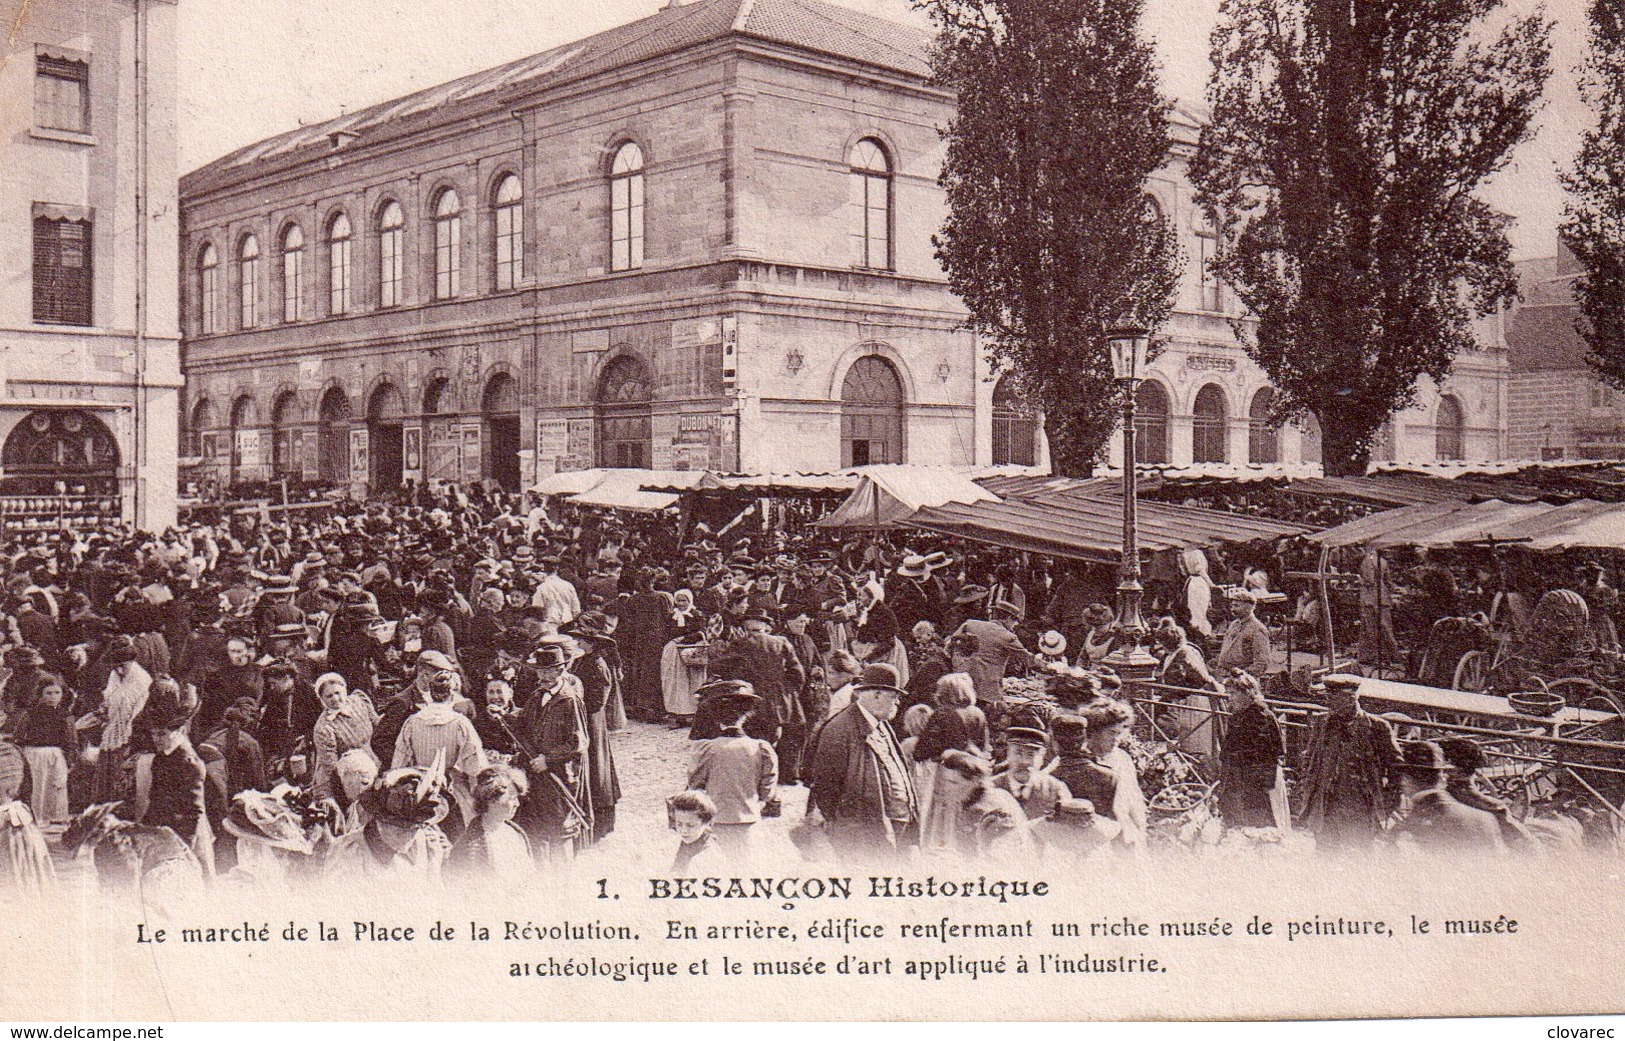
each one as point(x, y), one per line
point(809, 25)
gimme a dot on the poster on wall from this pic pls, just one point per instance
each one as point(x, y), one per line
point(358, 456)
point(412, 452)
point(469, 464)
point(580, 456)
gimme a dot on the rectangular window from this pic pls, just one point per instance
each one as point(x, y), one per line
point(338, 301)
point(510, 251)
point(626, 223)
point(248, 292)
point(1207, 249)
point(293, 283)
point(62, 271)
point(389, 268)
point(448, 247)
point(61, 94)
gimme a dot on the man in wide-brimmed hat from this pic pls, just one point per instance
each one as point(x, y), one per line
point(554, 738)
point(859, 781)
point(769, 663)
point(1430, 817)
point(913, 593)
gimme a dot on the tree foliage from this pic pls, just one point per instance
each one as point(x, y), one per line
point(1051, 238)
point(1347, 139)
point(1593, 224)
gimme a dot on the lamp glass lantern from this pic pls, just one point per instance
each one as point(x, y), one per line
point(1129, 347)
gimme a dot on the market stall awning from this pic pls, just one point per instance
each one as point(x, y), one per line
point(1092, 529)
point(1536, 525)
point(888, 495)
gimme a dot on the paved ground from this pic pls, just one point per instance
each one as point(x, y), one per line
point(652, 761)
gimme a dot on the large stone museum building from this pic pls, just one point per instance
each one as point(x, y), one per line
point(89, 342)
point(699, 240)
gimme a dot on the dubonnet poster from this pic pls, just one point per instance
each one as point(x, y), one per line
point(622, 749)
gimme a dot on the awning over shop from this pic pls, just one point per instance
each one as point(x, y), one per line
point(1092, 529)
point(886, 496)
point(1585, 524)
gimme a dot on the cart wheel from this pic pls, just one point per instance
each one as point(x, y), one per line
point(1577, 690)
point(1470, 672)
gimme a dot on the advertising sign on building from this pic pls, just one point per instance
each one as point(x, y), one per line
point(469, 464)
point(359, 459)
point(412, 453)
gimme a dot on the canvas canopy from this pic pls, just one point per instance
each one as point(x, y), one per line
point(886, 496)
point(1585, 524)
point(1092, 529)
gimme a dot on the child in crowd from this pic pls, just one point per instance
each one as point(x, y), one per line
point(689, 814)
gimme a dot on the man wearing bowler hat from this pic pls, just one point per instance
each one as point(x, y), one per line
point(1431, 818)
point(1350, 785)
point(859, 782)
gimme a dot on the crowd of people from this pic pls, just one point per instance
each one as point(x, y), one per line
point(435, 685)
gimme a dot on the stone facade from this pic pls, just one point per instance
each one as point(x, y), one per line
point(1559, 410)
point(751, 333)
point(89, 353)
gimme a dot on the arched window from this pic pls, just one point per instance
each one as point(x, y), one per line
point(1263, 436)
point(435, 397)
point(626, 209)
point(1015, 428)
point(391, 241)
point(208, 264)
point(1151, 410)
point(870, 193)
point(872, 403)
point(1449, 429)
point(248, 282)
point(623, 414)
point(1210, 423)
point(243, 418)
point(448, 245)
point(1310, 450)
point(48, 446)
point(333, 437)
point(204, 439)
point(338, 265)
point(508, 212)
point(284, 454)
point(293, 273)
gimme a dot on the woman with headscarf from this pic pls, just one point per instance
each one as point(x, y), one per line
point(682, 661)
point(1182, 666)
point(1252, 787)
point(1197, 598)
point(122, 699)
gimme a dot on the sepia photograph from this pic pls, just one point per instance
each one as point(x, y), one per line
point(904, 510)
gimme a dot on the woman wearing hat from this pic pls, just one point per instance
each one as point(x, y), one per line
point(401, 839)
point(169, 780)
point(600, 674)
point(1099, 636)
point(1182, 666)
point(123, 698)
point(1252, 788)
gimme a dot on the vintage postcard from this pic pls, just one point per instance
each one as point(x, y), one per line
point(618, 510)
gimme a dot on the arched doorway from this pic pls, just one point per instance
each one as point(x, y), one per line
point(385, 410)
point(203, 432)
point(1263, 436)
point(333, 437)
point(1210, 426)
point(1310, 450)
point(1015, 428)
point(285, 463)
point(68, 446)
point(1151, 423)
point(242, 459)
point(872, 402)
point(622, 417)
point(1450, 430)
point(499, 406)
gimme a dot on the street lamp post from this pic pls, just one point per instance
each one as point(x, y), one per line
point(1130, 658)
